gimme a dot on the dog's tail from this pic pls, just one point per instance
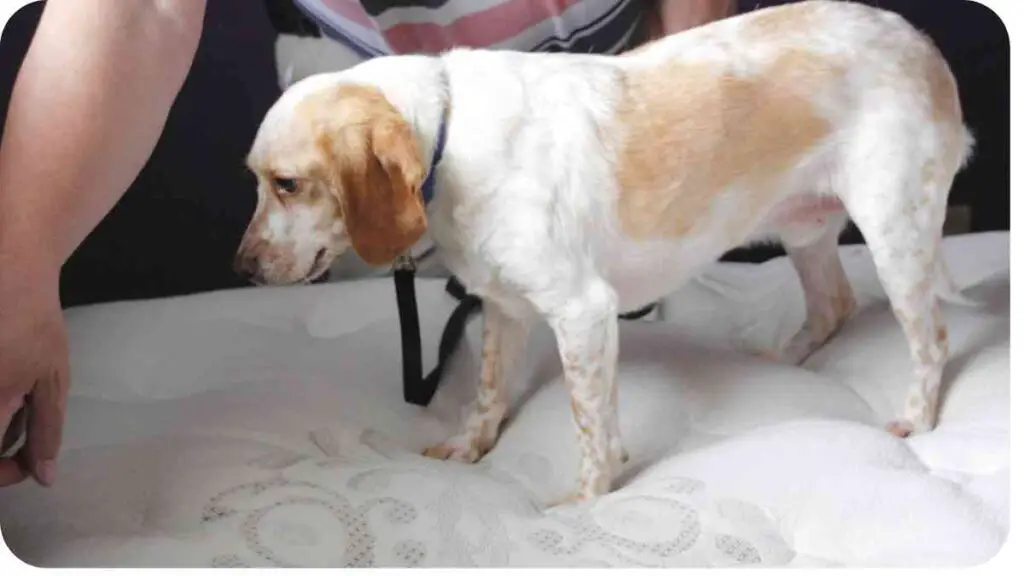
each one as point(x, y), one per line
point(945, 289)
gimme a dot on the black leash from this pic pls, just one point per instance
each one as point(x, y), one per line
point(638, 314)
point(417, 389)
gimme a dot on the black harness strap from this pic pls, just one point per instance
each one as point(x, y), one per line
point(417, 389)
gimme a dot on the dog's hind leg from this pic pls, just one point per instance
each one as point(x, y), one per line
point(814, 251)
point(898, 202)
point(905, 270)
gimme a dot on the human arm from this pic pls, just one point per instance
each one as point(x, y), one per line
point(670, 16)
point(86, 111)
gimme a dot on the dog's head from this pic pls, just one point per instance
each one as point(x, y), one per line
point(337, 166)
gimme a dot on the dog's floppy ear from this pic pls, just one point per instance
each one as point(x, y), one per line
point(380, 173)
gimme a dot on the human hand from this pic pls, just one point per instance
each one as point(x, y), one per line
point(33, 377)
point(85, 113)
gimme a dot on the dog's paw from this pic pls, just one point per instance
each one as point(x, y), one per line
point(620, 455)
point(770, 356)
point(455, 449)
point(899, 428)
point(568, 499)
point(773, 356)
point(584, 492)
point(905, 428)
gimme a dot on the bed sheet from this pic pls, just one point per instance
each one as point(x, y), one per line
point(266, 427)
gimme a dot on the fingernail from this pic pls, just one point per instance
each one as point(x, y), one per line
point(46, 471)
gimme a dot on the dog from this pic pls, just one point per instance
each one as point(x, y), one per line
point(570, 187)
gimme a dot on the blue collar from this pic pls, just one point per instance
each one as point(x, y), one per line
point(428, 182)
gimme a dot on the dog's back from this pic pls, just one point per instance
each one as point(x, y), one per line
point(707, 139)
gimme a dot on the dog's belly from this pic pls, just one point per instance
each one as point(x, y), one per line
point(644, 272)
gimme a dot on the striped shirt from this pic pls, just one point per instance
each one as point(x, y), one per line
point(380, 27)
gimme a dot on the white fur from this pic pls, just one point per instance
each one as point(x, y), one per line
point(525, 209)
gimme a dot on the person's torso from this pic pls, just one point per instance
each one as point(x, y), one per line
point(381, 27)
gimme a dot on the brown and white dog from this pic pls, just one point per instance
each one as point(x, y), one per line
point(572, 187)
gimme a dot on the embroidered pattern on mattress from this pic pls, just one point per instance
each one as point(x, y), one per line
point(368, 505)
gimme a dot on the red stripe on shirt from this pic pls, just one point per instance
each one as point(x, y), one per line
point(479, 29)
point(352, 11)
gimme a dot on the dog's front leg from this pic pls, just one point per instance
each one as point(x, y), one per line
point(587, 330)
point(504, 341)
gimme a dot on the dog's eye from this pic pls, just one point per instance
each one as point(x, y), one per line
point(286, 185)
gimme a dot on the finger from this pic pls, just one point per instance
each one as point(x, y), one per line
point(11, 472)
point(45, 426)
point(15, 430)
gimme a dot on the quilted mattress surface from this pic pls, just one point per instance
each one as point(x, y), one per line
point(266, 427)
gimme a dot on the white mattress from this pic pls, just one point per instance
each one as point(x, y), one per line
point(266, 427)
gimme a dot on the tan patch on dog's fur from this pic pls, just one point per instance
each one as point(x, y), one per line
point(942, 89)
point(374, 164)
point(691, 130)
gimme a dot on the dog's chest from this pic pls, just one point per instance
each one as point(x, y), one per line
point(454, 249)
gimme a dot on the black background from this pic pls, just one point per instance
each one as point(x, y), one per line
point(176, 229)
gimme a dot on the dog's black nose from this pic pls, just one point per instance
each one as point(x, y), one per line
point(246, 265)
